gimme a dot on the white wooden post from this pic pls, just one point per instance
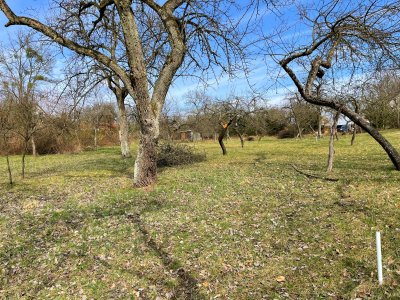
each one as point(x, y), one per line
point(379, 257)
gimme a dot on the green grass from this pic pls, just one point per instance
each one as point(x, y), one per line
point(225, 228)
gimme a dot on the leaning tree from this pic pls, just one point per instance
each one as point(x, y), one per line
point(188, 34)
point(346, 40)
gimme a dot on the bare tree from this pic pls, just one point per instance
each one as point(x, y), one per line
point(187, 34)
point(24, 67)
point(94, 73)
point(355, 34)
point(305, 116)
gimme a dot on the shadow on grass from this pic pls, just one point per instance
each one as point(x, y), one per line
point(35, 236)
point(116, 165)
point(188, 284)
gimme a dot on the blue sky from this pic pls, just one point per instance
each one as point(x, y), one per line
point(259, 77)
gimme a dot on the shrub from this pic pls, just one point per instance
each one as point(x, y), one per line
point(170, 154)
point(287, 133)
point(250, 138)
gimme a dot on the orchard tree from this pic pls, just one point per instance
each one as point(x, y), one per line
point(346, 38)
point(187, 35)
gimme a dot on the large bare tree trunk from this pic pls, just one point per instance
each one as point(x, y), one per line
point(145, 172)
point(331, 141)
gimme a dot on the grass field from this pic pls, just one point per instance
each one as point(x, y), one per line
point(242, 226)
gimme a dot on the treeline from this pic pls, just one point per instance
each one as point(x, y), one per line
point(284, 121)
point(25, 128)
point(376, 99)
point(41, 113)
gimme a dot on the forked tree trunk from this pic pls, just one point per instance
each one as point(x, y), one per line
point(221, 141)
point(222, 134)
point(331, 141)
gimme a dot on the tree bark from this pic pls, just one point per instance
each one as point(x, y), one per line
point(145, 171)
point(331, 141)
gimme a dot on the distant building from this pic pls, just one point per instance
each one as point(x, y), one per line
point(343, 128)
point(186, 135)
point(189, 135)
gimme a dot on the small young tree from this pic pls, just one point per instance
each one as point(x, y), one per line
point(24, 66)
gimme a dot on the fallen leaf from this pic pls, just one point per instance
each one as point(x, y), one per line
point(280, 279)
